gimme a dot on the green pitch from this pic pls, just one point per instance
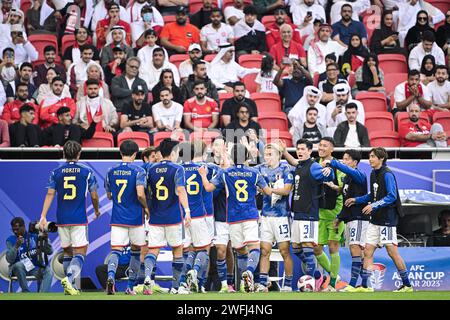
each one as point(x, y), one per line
point(421, 295)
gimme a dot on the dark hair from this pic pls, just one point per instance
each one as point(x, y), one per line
point(334, 64)
point(147, 152)
point(78, 30)
point(62, 110)
point(308, 143)
point(158, 49)
point(52, 68)
point(57, 78)
point(162, 75)
point(351, 105)
point(165, 89)
point(92, 81)
point(71, 150)
point(428, 36)
point(267, 65)
point(312, 108)
point(87, 47)
point(413, 72)
point(331, 56)
point(242, 105)
point(238, 84)
point(354, 154)
point(7, 50)
point(17, 220)
point(113, 4)
point(198, 82)
point(239, 153)
point(24, 65)
point(347, 5)
point(214, 10)
point(26, 108)
point(197, 62)
point(380, 153)
point(21, 84)
point(167, 146)
point(128, 148)
point(250, 9)
point(329, 139)
point(49, 49)
point(441, 67)
point(150, 32)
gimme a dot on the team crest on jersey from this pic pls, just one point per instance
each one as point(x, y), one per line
point(375, 189)
point(377, 276)
point(345, 189)
point(208, 109)
point(189, 34)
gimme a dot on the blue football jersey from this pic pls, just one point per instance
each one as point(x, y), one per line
point(241, 184)
point(275, 178)
point(163, 179)
point(122, 180)
point(208, 197)
point(72, 181)
point(194, 189)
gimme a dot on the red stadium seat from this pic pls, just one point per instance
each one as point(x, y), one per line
point(443, 5)
point(249, 81)
point(25, 5)
point(99, 140)
point(268, 20)
point(391, 80)
point(351, 80)
point(177, 59)
point(443, 118)
point(141, 138)
point(266, 102)
point(207, 136)
point(67, 41)
point(371, 20)
point(384, 139)
point(379, 121)
point(40, 41)
point(273, 120)
point(250, 60)
point(209, 57)
point(316, 79)
point(227, 3)
point(402, 116)
point(273, 135)
point(393, 63)
point(223, 97)
point(372, 101)
point(160, 136)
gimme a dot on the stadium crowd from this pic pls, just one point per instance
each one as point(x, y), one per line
point(368, 73)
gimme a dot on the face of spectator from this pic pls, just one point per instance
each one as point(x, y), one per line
point(250, 19)
point(82, 35)
point(117, 36)
point(427, 46)
point(92, 90)
point(414, 113)
point(132, 68)
point(25, 74)
point(286, 34)
point(228, 56)
point(195, 54)
point(324, 34)
point(428, 65)
point(388, 20)
point(200, 71)
point(8, 58)
point(7, 5)
point(93, 73)
point(312, 100)
point(309, 3)
point(50, 75)
point(114, 12)
point(280, 17)
point(351, 115)
point(18, 230)
point(14, 18)
point(158, 59)
point(138, 98)
point(422, 19)
point(355, 41)
point(325, 149)
point(87, 55)
point(311, 116)
point(207, 4)
point(371, 62)
point(341, 99)
point(28, 117)
point(216, 18)
point(243, 114)
point(446, 221)
point(239, 93)
point(57, 87)
point(166, 97)
point(348, 161)
point(447, 16)
point(50, 57)
point(413, 80)
point(441, 75)
point(346, 13)
point(151, 40)
point(22, 93)
point(119, 55)
point(238, 3)
point(65, 119)
point(303, 153)
point(181, 19)
point(200, 91)
point(167, 79)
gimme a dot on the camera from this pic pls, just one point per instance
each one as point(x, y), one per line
point(42, 243)
point(50, 227)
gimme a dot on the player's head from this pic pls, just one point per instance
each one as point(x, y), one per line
point(444, 218)
point(72, 150)
point(149, 155)
point(272, 154)
point(169, 149)
point(304, 149)
point(198, 148)
point(239, 154)
point(217, 146)
point(326, 147)
point(351, 158)
point(64, 116)
point(129, 148)
point(158, 156)
point(377, 157)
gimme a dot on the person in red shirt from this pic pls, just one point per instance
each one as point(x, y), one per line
point(287, 47)
point(11, 110)
point(52, 102)
point(104, 26)
point(177, 36)
point(273, 34)
point(200, 112)
point(419, 133)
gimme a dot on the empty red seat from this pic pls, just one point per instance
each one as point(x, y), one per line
point(250, 60)
point(67, 41)
point(207, 136)
point(266, 102)
point(273, 120)
point(391, 80)
point(393, 63)
point(402, 116)
point(99, 140)
point(40, 41)
point(384, 139)
point(443, 118)
point(177, 59)
point(209, 57)
point(160, 136)
point(141, 138)
point(379, 121)
point(249, 81)
point(273, 135)
point(443, 5)
point(372, 101)
point(25, 5)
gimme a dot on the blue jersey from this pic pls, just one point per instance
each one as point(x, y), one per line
point(208, 197)
point(276, 178)
point(121, 181)
point(163, 179)
point(71, 181)
point(241, 183)
point(28, 249)
point(194, 189)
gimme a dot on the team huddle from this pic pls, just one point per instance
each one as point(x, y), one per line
point(182, 199)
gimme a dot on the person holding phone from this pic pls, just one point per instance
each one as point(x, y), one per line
point(304, 15)
point(385, 39)
point(23, 49)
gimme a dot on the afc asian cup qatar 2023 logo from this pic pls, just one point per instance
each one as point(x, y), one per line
point(377, 276)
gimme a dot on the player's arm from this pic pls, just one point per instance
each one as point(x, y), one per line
point(209, 187)
point(262, 184)
point(47, 203)
point(321, 174)
point(93, 186)
point(183, 198)
point(389, 199)
point(140, 189)
point(108, 188)
point(283, 191)
point(356, 175)
point(289, 158)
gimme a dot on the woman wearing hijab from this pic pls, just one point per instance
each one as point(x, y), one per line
point(443, 34)
point(385, 39)
point(427, 69)
point(414, 35)
point(354, 57)
point(369, 77)
point(166, 80)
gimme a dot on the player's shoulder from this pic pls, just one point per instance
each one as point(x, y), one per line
point(113, 167)
point(84, 166)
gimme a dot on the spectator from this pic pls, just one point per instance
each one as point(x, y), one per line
point(311, 129)
point(287, 48)
point(59, 133)
point(427, 69)
point(167, 114)
point(146, 52)
point(151, 20)
point(24, 133)
point(354, 56)
point(38, 22)
point(117, 66)
point(94, 71)
point(171, 7)
point(333, 77)
point(225, 71)
point(177, 36)
point(200, 113)
point(415, 34)
point(45, 89)
point(311, 98)
point(151, 73)
point(4, 134)
point(305, 13)
point(24, 76)
point(92, 106)
point(266, 7)
point(73, 15)
point(358, 6)
point(215, 33)
point(351, 133)
point(346, 27)
point(427, 46)
point(250, 34)
point(369, 77)
point(200, 74)
point(73, 53)
point(116, 38)
point(419, 133)
point(273, 30)
point(137, 116)
point(320, 47)
point(441, 236)
point(443, 34)
point(264, 79)
point(412, 91)
point(122, 86)
point(8, 69)
point(51, 103)
point(134, 12)
point(306, 42)
point(166, 80)
point(385, 39)
point(440, 89)
point(234, 13)
point(101, 11)
point(11, 109)
point(77, 72)
point(41, 70)
point(6, 8)
point(241, 126)
point(203, 17)
point(105, 26)
point(230, 106)
point(195, 54)
point(406, 11)
point(292, 89)
point(22, 254)
point(23, 49)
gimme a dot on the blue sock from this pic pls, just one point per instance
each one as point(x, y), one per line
point(241, 263)
point(288, 281)
point(404, 276)
point(149, 262)
point(222, 269)
point(189, 257)
point(311, 263)
point(141, 276)
point(134, 266)
point(153, 274)
point(74, 269)
point(203, 272)
point(264, 279)
point(299, 253)
point(365, 274)
point(113, 262)
point(200, 261)
point(253, 260)
point(177, 269)
point(230, 279)
point(66, 263)
point(356, 270)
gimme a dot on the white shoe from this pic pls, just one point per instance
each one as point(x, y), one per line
point(191, 280)
point(247, 278)
point(183, 289)
point(202, 289)
point(173, 291)
point(261, 288)
point(286, 289)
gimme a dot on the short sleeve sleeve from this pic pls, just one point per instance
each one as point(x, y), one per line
point(260, 182)
point(107, 183)
point(92, 182)
point(288, 176)
point(180, 180)
point(141, 179)
point(51, 184)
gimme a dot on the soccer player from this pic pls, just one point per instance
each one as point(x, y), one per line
point(384, 206)
point(125, 185)
point(71, 181)
point(355, 185)
point(166, 181)
point(274, 221)
point(241, 183)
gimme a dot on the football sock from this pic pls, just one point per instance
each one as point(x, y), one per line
point(404, 276)
point(177, 269)
point(141, 276)
point(66, 263)
point(241, 263)
point(113, 262)
point(74, 269)
point(299, 253)
point(150, 262)
point(230, 278)
point(200, 261)
point(288, 281)
point(222, 270)
point(335, 266)
point(356, 269)
point(324, 262)
point(365, 277)
point(253, 260)
point(134, 267)
point(263, 279)
point(203, 272)
point(189, 261)
point(310, 263)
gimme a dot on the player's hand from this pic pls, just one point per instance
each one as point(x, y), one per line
point(19, 241)
point(325, 163)
point(42, 223)
point(349, 202)
point(326, 171)
point(146, 213)
point(97, 214)
point(187, 220)
point(367, 209)
point(202, 171)
point(332, 185)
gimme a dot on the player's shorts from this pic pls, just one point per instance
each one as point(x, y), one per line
point(243, 233)
point(304, 231)
point(197, 234)
point(274, 229)
point(160, 236)
point(381, 235)
point(124, 236)
point(222, 236)
point(327, 232)
point(355, 232)
point(210, 223)
point(73, 236)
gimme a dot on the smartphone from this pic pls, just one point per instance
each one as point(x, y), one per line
point(396, 33)
point(9, 55)
point(309, 13)
point(286, 60)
